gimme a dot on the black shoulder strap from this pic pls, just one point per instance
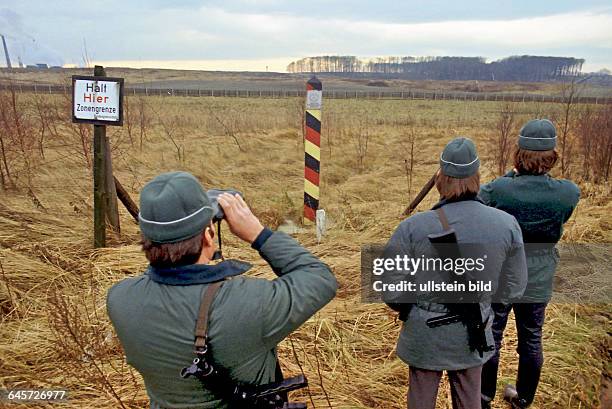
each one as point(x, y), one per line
point(217, 379)
point(201, 330)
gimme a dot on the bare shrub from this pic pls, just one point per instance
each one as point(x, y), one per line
point(44, 118)
point(360, 137)
point(506, 126)
point(81, 134)
point(6, 179)
point(143, 119)
point(128, 118)
point(408, 147)
point(81, 342)
point(229, 123)
point(171, 126)
point(565, 121)
point(297, 110)
point(594, 133)
point(16, 134)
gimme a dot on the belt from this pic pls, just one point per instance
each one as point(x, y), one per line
point(539, 250)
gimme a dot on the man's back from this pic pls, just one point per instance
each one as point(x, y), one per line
point(540, 203)
point(498, 236)
point(496, 233)
point(249, 317)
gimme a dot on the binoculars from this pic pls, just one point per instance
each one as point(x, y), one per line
point(218, 214)
point(213, 196)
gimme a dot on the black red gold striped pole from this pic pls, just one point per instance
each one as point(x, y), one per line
point(312, 148)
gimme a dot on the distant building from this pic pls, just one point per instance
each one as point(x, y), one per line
point(39, 66)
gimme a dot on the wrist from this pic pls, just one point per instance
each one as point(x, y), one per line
point(256, 232)
point(261, 238)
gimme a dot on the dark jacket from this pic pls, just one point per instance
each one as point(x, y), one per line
point(541, 205)
point(154, 317)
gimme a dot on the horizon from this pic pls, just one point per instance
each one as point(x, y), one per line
point(278, 65)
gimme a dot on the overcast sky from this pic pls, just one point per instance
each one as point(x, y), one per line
point(252, 34)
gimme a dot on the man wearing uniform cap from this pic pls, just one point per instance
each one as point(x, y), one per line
point(427, 350)
point(541, 204)
point(155, 314)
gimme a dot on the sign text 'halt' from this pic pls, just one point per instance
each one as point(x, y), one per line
point(97, 100)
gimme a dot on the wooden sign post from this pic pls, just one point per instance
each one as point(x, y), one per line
point(98, 100)
point(312, 148)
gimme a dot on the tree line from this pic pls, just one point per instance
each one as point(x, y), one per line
point(515, 68)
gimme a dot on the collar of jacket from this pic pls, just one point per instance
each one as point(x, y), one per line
point(512, 173)
point(463, 199)
point(197, 273)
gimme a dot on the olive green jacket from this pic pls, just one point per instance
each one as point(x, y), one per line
point(541, 205)
point(155, 322)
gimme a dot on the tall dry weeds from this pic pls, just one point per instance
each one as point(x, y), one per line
point(54, 331)
point(594, 134)
point(506, 135)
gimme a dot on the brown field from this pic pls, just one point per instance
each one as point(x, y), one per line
point(55, 332)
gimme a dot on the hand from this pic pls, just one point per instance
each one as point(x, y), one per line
point(242, 222)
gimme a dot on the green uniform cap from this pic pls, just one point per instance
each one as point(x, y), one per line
point(459, 158)
point(173, 207)
point(538, 135)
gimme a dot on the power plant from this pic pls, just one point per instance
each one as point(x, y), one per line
point(6, 53)
point(7, 56)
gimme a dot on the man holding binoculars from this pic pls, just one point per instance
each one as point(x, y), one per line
point(240, 319)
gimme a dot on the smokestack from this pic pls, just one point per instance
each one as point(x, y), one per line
point(6, 53)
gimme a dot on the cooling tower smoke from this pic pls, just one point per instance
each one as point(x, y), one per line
point(22, 46)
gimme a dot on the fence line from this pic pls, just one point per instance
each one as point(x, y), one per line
point(279, 93)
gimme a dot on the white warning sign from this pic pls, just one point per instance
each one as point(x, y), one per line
point(97, 100)
point(314, 99)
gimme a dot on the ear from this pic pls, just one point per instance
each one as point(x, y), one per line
point(208, 238)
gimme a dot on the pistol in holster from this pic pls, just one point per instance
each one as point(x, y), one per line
point(269, 396)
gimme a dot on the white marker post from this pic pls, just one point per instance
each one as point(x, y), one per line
point(98, 100)
point(321, 224)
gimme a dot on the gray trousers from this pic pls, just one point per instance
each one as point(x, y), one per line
point(465, 388)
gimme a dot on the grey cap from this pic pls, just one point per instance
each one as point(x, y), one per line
point(459, 158)
point(538, 135)
point(173, 207)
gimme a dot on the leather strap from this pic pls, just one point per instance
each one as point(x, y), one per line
point(443, 219)
point(201, 330)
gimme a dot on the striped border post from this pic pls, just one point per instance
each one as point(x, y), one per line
point(312, 148)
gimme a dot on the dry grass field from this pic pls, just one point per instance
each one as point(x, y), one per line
point(55, 332)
